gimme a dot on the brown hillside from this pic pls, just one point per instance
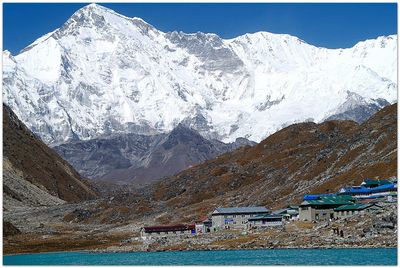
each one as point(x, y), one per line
point(300, 159)
point(27, 158)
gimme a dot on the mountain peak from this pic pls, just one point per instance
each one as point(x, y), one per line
point(182, 129)
point(182, 134)
point(102, 11)
point(105, 22)
point(95, 8)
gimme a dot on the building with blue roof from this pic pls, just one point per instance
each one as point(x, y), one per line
point(371, 189)
point(316, 196)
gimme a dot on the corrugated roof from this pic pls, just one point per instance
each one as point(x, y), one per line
point(356, 190)
point(328, 201)
point(338, 198)
point(354, 207)
point(316, 196)
point(388, 186)
point(279, 211)
point(169, 228)
point(375, 182)
point(265, 216)
point(234, 210)
point(289, 210)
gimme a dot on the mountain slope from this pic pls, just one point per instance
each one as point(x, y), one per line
point(300, 159)
point(142, 159)
point(33, 174)
point(102, 73)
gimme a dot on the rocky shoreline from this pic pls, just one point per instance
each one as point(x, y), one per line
point(361, 231)
point(223, 249)
point(375, 230)
point(208, 249)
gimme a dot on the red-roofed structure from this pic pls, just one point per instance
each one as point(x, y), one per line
point(165, 230)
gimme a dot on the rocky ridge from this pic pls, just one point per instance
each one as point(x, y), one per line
point(33, 174)
point(143, 159)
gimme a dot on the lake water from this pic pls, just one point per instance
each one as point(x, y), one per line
point(229, 257)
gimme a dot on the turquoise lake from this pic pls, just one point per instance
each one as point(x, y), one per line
point(229, 257)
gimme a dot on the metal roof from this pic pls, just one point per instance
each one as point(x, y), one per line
point(375, 182)
point(337, 200)
point(355, 190)
point(169, 228)
point(240, 210)
point(279, 211)
point(354, 207)
point(287, 211)
point(364, 190)
point(265, 216)
point(316, 196)
point(388, 186)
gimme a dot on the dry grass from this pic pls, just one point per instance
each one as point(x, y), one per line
point(235, 241)
point(34, 243)
point(302, 224)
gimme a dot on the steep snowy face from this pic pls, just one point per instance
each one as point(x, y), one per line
point(103, 73)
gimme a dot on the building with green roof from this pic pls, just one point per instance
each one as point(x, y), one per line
point(265, 220)
point(322, 209)
point(350, 210)
point(370, 183)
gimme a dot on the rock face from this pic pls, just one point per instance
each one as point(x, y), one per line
point(356, 109)
point(9, 229)
point(142, 159)
point(33, 174)
point(102, 73)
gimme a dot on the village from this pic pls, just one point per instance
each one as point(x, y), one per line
point(368, 198)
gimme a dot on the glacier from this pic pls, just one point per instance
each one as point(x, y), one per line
point(102, 73)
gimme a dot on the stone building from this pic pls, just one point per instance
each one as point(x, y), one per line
point(235, 218)
point(265, 220)
point(322, 209)
point(167, 230)
point(354, 209)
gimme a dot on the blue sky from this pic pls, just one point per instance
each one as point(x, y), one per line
point(327, 25)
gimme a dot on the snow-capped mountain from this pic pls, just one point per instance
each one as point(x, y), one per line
point(102, 73)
